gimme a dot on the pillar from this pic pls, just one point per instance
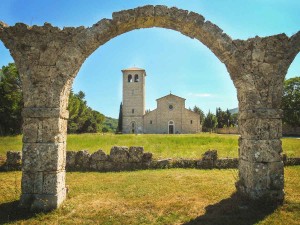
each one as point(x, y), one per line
point(44, 158)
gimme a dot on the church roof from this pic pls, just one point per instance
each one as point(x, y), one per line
point(170, 95)
point(133, 69)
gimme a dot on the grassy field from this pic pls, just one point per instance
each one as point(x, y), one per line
point(174, 196)
point(162, 146)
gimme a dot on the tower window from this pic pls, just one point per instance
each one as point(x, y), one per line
point(150, 121)
point(129, 78)
point(191, 121)
point(136, 78)
point(132, 111)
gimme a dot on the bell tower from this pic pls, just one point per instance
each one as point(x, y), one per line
point(133, 100)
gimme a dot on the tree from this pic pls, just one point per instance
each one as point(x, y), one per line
point(82, 119)
point(210, 121)
point(291, 102)
point(120, 121)
point(11, 100)
point(196, 109)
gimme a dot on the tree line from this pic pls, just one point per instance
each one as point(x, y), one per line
point(82, 118)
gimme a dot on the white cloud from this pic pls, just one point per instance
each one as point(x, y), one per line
point(200, 95)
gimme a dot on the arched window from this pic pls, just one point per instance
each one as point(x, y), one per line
point(129, 78)
point(191, 121)
point(132, 111)
point(136, 78)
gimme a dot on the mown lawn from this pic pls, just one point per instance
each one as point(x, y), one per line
point(174, 196)
point(162, 146)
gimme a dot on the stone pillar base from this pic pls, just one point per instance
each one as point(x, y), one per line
point(265, 195)
point(42, 202)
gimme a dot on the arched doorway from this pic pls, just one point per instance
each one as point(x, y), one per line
point(171, 127)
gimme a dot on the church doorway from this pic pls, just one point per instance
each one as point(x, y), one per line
point(132, 127)
point(171, 126)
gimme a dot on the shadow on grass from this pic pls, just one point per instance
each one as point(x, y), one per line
point(10, 212)
point(234, 211)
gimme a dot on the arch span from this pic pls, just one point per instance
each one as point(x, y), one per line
point(49, 58)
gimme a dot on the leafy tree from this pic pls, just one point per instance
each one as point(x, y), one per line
point(11, 100)
point(210, 122)
point(83, 119)
point(196, 109)
point(120, 121)
point(291, 102)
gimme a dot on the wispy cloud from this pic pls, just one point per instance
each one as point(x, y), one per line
point(200, 95)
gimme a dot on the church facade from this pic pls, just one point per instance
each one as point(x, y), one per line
point(170, 116)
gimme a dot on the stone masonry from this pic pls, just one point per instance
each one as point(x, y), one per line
point(48, 59)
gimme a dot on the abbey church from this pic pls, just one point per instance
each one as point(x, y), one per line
point(170, 116)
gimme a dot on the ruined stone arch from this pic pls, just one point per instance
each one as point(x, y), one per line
point(48, 59)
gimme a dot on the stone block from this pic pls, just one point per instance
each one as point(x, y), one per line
point(227, 163)
point(136, 154)
point(205, 164)
point(260, 129)
point(147, 157)
point(13, 160)
point(82, 160)
point(70, 159)
point(42, 202)
point(97, 157)
point(53, 182)
point(260, 150)
point(119, 154)
point(260, 176)
point(145, 16)
point(43, 157)
point(52, 130)
point(210, 155)
point(124, 20)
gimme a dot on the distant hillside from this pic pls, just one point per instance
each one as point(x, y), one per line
point(110, 123)
point(233, 111)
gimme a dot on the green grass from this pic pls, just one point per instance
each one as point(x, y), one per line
point(173, 196)
point(162, 146)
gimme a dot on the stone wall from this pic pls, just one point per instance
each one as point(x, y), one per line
point(134, 158)
point(228, 130)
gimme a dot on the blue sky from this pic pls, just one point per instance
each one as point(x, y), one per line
point(173, 62)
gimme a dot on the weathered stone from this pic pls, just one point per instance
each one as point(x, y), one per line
point(71, 159)
point(227, 163)
point(43, 157)
point(260, 129)
point(96, 158)
point(147, 157)
point(210, 155)
point(136, 154)
point(160, 164)
point(119, 154)
point(260, 150)
point(261, 180)
point(82, 159)
point(13, 160)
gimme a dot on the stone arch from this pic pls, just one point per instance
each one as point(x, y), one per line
point(49, 58)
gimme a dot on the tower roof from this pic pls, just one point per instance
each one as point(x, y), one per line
point(133, 69)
